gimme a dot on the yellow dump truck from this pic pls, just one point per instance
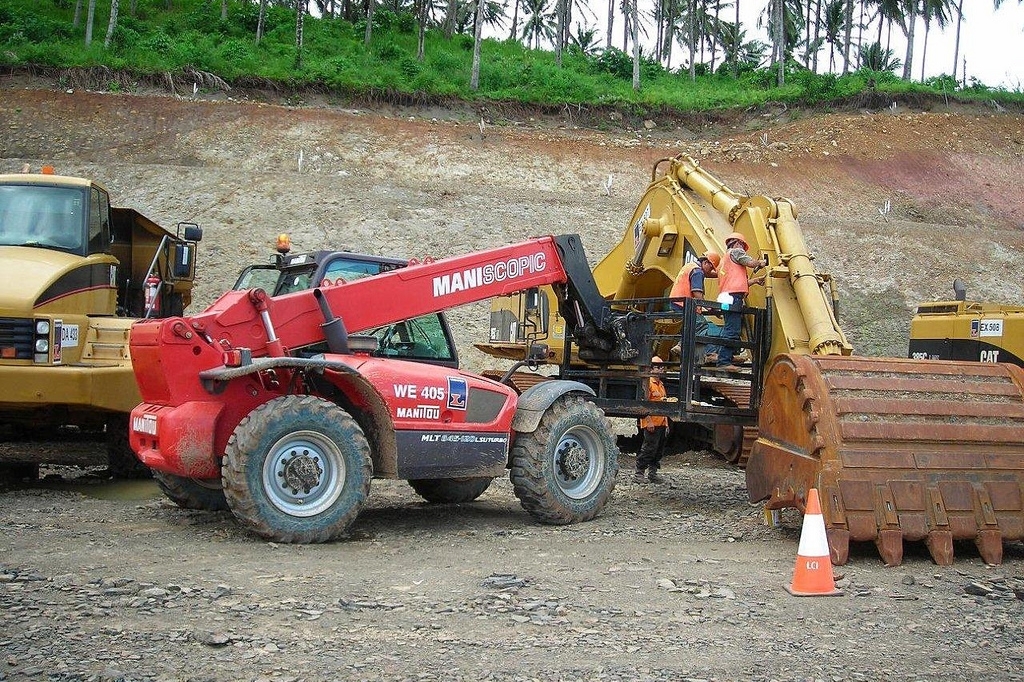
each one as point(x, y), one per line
point(75, 272)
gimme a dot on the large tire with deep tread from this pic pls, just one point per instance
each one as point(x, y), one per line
point(564, 471)
point(121, 459)
point(297, 469)
point(450, 490)
point(192, 493)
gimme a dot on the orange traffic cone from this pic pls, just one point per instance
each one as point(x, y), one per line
point(813, 574)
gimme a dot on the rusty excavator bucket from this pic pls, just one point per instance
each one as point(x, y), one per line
point(898, 450)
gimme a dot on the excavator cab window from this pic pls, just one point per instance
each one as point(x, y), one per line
point(99, 222)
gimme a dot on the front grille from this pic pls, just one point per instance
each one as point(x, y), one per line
point(17, 333)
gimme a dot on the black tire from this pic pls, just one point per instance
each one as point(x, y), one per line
point(450, 490)
point(297, 469)
point(121, 459)
point(192, 493)
point(564, 471)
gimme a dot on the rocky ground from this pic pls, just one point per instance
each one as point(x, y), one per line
point(676, 581)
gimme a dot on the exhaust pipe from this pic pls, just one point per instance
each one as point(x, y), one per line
point(333, 328)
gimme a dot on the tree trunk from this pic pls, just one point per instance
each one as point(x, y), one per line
point(112, 24)
point(511, 34)
point(223, 10)
point(560, 30)
point(636, 44)
point(848, 38)
point(300, 14)
point(259, 22)
point(736, 44)
point(369, 22)
point(911, 23)
point(817, 35)
point(89, 17)
point(959, 23)
point(474, 80)
point(421, 36)
point(924, 48)
point(780, 40)
point(611, 24)
point(78, 15)
point(691, 38)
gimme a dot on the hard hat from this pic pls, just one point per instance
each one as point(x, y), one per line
point(656, 359)
point(713, 258)
point(738, 236)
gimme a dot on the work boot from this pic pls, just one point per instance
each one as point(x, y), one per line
point(638, 477)
point(711, 359)
point(653, 476)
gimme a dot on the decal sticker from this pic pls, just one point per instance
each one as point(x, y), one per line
point(68, 335)
point(989, 328)
point(457, 393)
point(144, 424)
point(638, 226)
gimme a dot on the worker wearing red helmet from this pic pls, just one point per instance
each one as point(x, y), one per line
point(690, 284)
point(734, 284)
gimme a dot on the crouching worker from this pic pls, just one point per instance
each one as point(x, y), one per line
point(690, 284)
point(654, 430)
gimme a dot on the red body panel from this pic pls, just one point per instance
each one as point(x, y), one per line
point(183, 426)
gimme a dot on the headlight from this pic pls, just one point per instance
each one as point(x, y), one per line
point(42, 345)
point(43, 327)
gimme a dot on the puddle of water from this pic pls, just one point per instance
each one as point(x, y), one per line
point(108, 490)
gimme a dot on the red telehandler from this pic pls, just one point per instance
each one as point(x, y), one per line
point(242, 410)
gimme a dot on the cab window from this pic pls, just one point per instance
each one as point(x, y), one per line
point(99, 228)
point(422, 338)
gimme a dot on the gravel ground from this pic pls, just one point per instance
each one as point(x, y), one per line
point(102, 581)
point(677, 581)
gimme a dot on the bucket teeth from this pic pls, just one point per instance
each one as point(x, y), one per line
point(990, 546)
point(839, 545)
point(890, 546)
point(940, 546)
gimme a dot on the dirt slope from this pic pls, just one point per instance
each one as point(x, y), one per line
point(419, 183)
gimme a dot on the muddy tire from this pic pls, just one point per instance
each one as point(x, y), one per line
point(564, 471)
point(297, 469)
point(121, 459)
point(192, 493)
point(450, 490)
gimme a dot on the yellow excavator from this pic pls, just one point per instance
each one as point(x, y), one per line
point(899, 449)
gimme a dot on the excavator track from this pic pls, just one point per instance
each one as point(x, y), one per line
point(898, 450)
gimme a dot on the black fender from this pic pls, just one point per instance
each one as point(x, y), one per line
point(535, 401)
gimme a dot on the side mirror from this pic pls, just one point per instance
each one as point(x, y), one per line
point(192, 232)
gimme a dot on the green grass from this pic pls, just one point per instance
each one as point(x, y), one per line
point(193, 36)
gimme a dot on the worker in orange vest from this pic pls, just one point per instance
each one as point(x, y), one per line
point(690, 284)
point(733, 283)
point(654, 429)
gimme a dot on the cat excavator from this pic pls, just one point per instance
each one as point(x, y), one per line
point(899, 449)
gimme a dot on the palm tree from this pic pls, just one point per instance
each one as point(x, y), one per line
point(911, 10)
point(585, 40)
point(959, 23)
point(835, 26)
point(636, 45)
point(300, 13)
point(877, 58)
point(538, 24)
point(933, 10)
point(474, 79)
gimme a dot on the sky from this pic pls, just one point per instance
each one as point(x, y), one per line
point(991, 41)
